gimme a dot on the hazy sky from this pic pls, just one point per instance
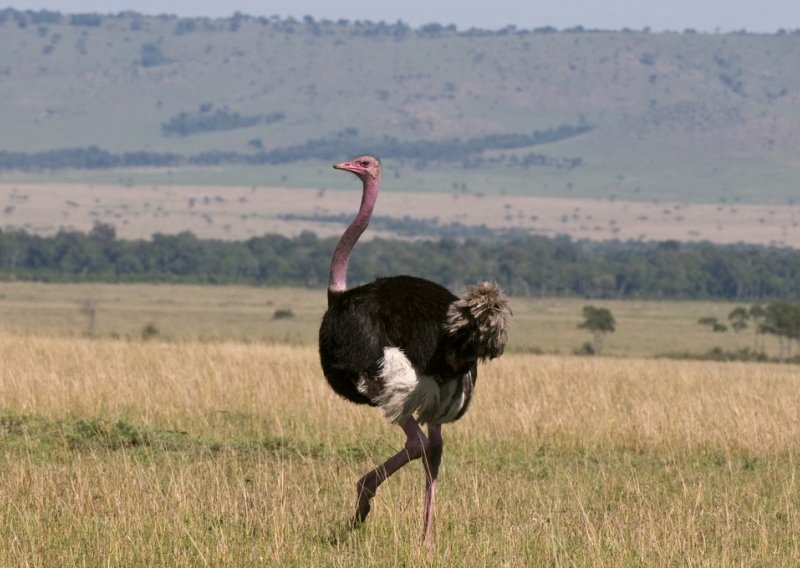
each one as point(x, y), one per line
point(702, 15)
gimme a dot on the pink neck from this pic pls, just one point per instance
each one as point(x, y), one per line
point(337, 281)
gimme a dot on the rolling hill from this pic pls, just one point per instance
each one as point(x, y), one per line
point(628, 115)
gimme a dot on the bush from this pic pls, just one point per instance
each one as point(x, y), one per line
point(152, 56)
point(150, 331)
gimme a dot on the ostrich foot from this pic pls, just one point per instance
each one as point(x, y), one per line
point(365, 495)
point(368, 485)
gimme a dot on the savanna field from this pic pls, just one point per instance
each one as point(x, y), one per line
point(228, 449)
point(186, 425)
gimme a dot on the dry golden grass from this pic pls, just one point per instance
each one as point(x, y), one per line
point(186, 453)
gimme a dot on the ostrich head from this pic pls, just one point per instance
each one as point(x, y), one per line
point(365, 167)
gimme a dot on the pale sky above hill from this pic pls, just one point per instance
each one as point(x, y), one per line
point(701, 15)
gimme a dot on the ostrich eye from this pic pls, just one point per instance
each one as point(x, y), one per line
point(364, 163)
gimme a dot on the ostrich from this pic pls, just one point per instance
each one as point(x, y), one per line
point(407, 346)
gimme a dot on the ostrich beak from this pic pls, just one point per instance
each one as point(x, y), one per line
point(351, 167)
point(343, 166)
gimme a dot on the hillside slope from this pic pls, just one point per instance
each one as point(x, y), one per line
point(680, 116)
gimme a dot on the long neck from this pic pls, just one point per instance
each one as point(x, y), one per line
point(337, 281)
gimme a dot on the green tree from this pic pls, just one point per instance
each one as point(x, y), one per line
point(757, 313)
point(782, 319)
point(599, 322)
point(738, 318)
point(713, 323)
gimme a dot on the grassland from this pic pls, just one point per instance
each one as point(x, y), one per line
point(123, 452)
point(235, 212)
point(246, 314)
point(216, 441)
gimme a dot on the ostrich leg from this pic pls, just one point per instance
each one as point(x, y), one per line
point(433, 457)
point(416, 444)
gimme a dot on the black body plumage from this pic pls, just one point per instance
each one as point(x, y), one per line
point(405, 312)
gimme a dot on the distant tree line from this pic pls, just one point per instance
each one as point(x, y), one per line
point(524, 265)
point(419, 152)
point(397, 30)
point(528, 160)
point(90, 157)
point(467, 151)
point(186, 123)
point(407, 226)
point(779, 318)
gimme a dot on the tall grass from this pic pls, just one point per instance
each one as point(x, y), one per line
point(186, 453)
